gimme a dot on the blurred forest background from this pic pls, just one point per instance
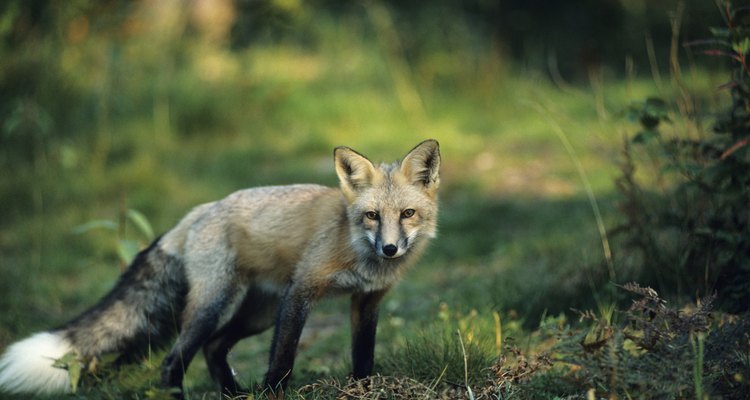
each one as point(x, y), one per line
point(585, 145)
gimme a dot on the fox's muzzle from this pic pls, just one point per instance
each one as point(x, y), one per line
point(390, 240)
point(390, 250)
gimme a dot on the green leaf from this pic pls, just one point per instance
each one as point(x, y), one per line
point(127, 249)
point(74, 371)
point(720, 32)
point(162, 393)
point(108, 358)
point(64, 361)
point(95, 224)
point(71, 362)
point(141, 222)
point(645, 136)
point(741, 47)
point(633, 112)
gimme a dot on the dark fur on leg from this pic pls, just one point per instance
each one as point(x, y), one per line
point(293, 311)
point(364, 321)
point(196, 331)
point(263, 307)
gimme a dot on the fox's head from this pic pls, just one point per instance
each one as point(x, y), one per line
point(392, 208)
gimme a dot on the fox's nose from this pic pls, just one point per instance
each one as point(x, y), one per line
point(390, 250)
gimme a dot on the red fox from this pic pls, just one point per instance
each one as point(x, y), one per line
point(238, 266)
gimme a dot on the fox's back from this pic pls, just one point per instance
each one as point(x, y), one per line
point(265, 230)
point(274, 225)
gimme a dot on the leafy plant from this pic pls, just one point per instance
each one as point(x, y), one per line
point(650, 354)
point(694, 236)
point(125, 247)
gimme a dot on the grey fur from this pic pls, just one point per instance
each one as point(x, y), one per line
point(141, 311)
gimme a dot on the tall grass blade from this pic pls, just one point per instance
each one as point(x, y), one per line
point(560, 133)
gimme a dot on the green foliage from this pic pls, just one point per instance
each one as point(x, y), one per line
point(94, 376)
point(649, 114)
point(694, 236)
point(727, 358)
point(656, 352)
point(125, 247)
point(74, 366)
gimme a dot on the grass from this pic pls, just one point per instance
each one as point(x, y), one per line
point(519, 244)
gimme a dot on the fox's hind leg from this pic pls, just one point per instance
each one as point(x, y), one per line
point(207, 305)
point(195, 332)
point(255, 315)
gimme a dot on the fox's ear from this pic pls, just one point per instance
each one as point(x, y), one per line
point(422, 166)
point(355, 171)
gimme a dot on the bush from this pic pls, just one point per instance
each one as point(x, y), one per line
point(658, 351)
point(694, 237)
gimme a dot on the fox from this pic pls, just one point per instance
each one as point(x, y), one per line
point(256, 259)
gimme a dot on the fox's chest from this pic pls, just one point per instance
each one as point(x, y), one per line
point(364, 278)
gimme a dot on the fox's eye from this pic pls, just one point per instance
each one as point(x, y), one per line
point(372, 215)
point(408, 213)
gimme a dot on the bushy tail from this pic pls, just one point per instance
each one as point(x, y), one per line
point(141, 312)
point(26, 366)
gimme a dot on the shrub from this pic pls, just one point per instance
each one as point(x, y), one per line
point(694, 236)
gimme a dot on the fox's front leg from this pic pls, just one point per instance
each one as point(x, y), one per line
point(293, 310)
point(364, 325)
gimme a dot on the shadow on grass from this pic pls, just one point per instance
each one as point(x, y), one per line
point(531, 256)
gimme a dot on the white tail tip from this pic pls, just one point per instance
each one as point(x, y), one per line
point(26, 366)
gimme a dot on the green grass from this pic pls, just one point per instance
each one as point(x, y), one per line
point(518, 235)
